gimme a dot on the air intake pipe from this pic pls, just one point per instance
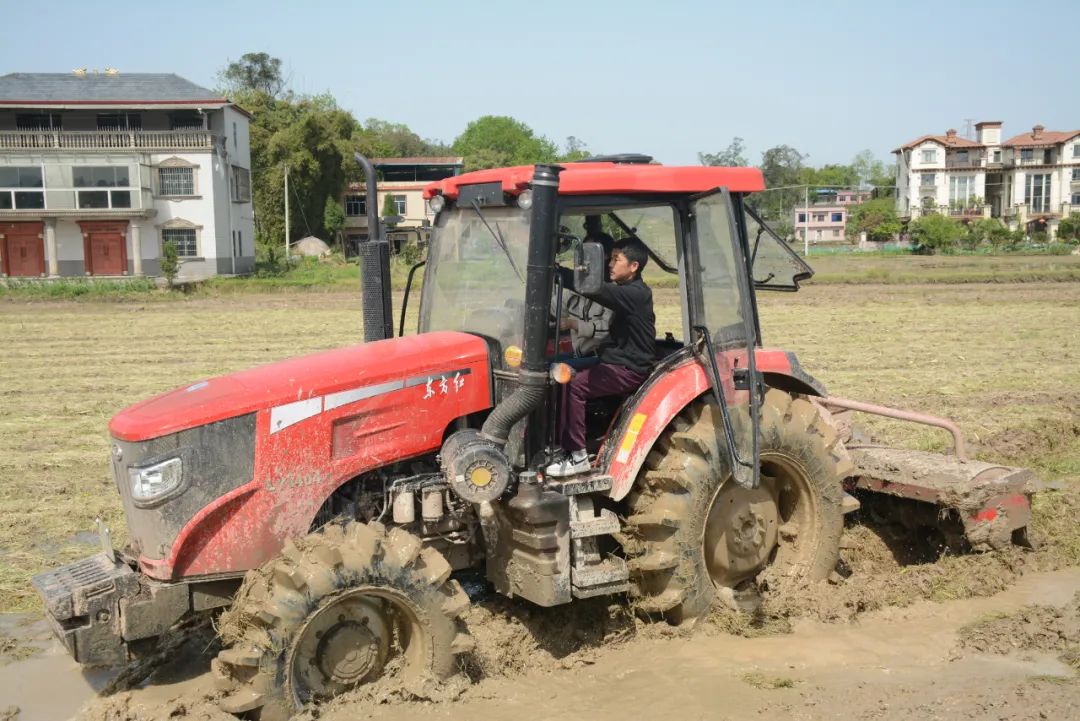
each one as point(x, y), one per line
point(533, 377)
point(374, 265)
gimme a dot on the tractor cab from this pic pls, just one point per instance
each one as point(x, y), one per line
point(709, 251)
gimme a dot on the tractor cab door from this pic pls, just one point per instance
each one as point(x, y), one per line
point(723, 326)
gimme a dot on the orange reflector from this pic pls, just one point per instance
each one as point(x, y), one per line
point(513, 355)
point(562, 373)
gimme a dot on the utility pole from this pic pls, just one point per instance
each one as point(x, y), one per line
point(286, 214)
point(806, 228)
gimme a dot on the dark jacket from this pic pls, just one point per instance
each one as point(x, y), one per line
point(632, 339)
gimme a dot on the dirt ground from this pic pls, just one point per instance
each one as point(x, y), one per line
point(899, 638)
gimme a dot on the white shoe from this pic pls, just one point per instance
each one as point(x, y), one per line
point(573, 464)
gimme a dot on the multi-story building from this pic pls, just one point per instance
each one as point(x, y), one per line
point(825, 220)
point(1031, 180)
point(99, 170)
point(403, 180)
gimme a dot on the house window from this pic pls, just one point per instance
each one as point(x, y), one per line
point(399, 203)
point(241, 184)
point(184, 238)
point(1048, 156)
point(235, 142)
point(962, 156)
point(1037, 192)
point(929, 156)
point(38, 121)
point(819, 217)
point(355, 205)
point(836, 232)
point(927, 179)
point(997, 156)
point(16, 176)
point(802, 217)
point(1076, 198)
point(1027, 154)
point(1076, 150)
point(176, 181)
point(838, 217)
point(1076, 174)
point(119, 121)
point(961, 188)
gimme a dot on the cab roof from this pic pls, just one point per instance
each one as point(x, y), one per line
point(611, 178)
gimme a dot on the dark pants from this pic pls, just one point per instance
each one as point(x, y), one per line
point(603, 379)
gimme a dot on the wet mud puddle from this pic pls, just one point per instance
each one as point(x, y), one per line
point(891, 664)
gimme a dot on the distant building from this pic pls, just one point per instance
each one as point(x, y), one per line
point(1031, 180)
point(99, 170)
point(403, 179)
point(826, 218)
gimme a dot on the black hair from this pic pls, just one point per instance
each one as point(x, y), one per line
point(634, 251)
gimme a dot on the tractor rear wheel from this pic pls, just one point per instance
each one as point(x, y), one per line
point(691, 530)
point(336, 609)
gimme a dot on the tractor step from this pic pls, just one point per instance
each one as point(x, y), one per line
point(608, 576)
point(992, 502)
point(579, 485)
point(604, 524)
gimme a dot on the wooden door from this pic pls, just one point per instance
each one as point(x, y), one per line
point(107, 254)
point(23, 249)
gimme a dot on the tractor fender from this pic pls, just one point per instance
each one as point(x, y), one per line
point(677, 382)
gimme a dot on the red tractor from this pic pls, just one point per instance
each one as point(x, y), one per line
point(327, 501)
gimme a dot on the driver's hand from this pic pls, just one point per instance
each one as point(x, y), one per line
point(569, 324)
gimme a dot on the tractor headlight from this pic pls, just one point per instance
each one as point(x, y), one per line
point(151, 482)
point(525, 200)
point(436, 203)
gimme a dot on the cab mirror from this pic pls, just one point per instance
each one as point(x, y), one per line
point(589, 268)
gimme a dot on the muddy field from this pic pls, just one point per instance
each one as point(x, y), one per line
point(1000, 359)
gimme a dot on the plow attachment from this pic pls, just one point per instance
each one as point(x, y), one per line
point(968, 504)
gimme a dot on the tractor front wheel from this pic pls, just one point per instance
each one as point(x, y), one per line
point(339, 608)
point(691, 530)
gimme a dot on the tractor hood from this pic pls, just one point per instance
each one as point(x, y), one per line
point(297, 379)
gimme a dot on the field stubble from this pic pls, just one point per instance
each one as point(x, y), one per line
point(999, 359)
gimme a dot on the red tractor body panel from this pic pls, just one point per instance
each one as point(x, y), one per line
point(321, 420)
point(665, 399)
point(611, 178)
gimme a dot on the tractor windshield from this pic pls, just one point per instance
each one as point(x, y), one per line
point(470, 282)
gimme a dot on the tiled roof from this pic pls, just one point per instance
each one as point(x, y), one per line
point(59, 88)
point(1046, 137)
point(953, 142)
point(430, 160)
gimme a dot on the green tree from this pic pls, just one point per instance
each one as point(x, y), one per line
point(730, 157)
point(170, 261)
point(497, 140)
point(575, 150)
point(935, 233)
point(333, 218)
point(382, 139)
point(875, 217)
point(253, 72)
point(986, 231)
point(389, 207)
point(1069, 230)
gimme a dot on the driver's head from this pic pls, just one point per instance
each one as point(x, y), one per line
point(628, 259)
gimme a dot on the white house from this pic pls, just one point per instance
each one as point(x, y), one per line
point(1031, 180)
point(98, 170)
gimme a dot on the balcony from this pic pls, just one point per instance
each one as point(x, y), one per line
point(123, 202)
point(974, 160)
point(146, 140)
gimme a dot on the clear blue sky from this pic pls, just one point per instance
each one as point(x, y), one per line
point(665, 78)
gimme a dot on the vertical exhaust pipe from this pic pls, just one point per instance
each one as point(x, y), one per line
point(533, 377)
point(374, 265)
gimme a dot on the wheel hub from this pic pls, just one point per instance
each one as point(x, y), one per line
point(343, 644)
point(740, 533)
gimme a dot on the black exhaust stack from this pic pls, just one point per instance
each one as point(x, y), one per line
point(533, 376)
point(374, 265)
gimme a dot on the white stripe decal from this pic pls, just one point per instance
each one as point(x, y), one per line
point(341, 398)
point(284, 416)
